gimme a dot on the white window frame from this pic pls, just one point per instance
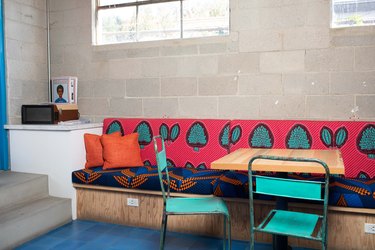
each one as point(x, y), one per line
point(96, 8)
point(333, 26)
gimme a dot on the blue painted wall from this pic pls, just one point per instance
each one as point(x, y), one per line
point(4, 165)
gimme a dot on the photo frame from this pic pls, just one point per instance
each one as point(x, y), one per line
point(64, 89)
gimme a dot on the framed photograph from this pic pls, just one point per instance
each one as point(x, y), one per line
point(64, 89)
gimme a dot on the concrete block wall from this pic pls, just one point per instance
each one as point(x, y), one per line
point(26, 54)
point(280, 61)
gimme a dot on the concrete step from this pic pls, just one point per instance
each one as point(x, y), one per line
point(24, 221)
point(18, 187)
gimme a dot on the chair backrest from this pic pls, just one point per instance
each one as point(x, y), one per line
point(299, 189)
point(161, 161)
point(308, 190)
point(284, 187)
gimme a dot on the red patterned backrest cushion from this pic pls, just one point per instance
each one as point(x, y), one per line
point(355, 139)
point(189, 142)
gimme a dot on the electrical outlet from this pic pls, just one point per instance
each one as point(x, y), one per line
point(369, 228)
point(133, 202)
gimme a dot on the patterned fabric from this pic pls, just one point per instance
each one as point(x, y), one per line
point(189, 142)
point(342, 192)
point(183, 180)
point(355, 139)
point(345, 192)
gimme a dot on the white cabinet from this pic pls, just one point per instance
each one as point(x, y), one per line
point(53, 150)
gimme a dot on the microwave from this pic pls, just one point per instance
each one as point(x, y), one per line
point(48, 113)
point(39, 114)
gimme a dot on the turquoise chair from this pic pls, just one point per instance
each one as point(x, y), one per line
point(186, 206)
point(289, 223)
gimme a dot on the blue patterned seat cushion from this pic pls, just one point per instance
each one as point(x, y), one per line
point(359, 192)
point(184, 180)
point(343, 191)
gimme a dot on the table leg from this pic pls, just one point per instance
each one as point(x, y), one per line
point(281, 242)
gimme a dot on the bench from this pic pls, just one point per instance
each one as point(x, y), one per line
point(193, 144)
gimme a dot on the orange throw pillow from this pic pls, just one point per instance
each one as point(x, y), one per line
point(119, 152)
point(94, 149)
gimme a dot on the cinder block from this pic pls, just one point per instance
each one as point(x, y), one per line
point(73, 18)
point(329, 107)
point(33, 16)
point(306, 83)
point(213, 48)
point(365, 58)
point(353, 40)
point(196, 66)
point(239, 107)
point(317, 13)
point(198, 107)
point(86, 88)
point(179, 86)
point(108, 88)
point(220, 85)
point(291, 106)
point(280, 62)
point(336, 59)
point(260, 84)
point(285, 16)
point(366, 104)
point(179, 50)
point(12, 10)
point(90, 71)
point(13, 49)
point(129, 107)
point(155, 67)
point(124, 69)
point(243, 19)
point(143, 87)
point(58, 5)
point(144, 52)
point(306, 38)
point(239, 63)
point(160, 107)
point(353, 83)
point(93, 106)
point(260, 40)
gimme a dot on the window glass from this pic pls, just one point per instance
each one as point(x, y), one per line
point(116, 25)
point(346, 13)
point(122, 21)
point(159, 21)
point(205, 18)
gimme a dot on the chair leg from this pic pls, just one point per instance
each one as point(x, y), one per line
point(252, 238)
point(224, 232)
point(163, 230)
point(229, 233)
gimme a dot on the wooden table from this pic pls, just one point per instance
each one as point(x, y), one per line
point(239, 160)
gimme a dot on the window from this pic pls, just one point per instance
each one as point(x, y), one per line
point(123, 21)
point(348, 13)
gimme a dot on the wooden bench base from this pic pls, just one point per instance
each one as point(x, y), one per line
point(345, 225)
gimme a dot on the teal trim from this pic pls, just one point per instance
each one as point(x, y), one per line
point(4, 161)
point(309, 190)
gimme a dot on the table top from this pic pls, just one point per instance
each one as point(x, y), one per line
point(239, 159)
